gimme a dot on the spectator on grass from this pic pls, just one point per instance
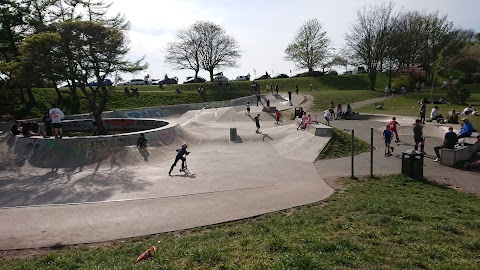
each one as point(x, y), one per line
point(126, 91)
point(452, 117)
point(435, 115)
point(387, 91)
point(339, 112)
point(178, 91)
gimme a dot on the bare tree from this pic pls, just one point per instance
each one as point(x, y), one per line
point(368, 39)
point(309, 48)
point(217, 48)
point(185, 52)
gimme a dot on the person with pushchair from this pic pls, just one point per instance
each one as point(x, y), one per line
point(181, 155)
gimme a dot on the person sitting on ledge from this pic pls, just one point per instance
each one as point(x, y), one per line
point(467, 129)
point(15, 129)
point(142, 141)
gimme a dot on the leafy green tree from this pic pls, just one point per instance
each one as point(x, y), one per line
point(310, 46)
point(96, 51)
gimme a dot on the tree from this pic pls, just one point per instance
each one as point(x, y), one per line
point(467, 60)
point(368, 39)
point(217, 48)
point(310, 46)
point(96, 51)
point(185, 52)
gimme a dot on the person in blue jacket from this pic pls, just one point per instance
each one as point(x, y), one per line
point(466, 130)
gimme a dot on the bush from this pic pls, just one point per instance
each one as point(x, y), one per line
point(403, 80)
point(458, 93)
point(311, 74)
point(332, 73)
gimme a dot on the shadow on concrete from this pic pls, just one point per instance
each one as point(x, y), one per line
point(72, 185)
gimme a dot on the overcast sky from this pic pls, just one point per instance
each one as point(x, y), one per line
point(262, 28)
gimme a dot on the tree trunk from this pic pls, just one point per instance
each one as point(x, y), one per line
point(211, 74)
point(372, 76)
point(75, 100)
point(59, 94)
point(31, 98)
point(196, 74)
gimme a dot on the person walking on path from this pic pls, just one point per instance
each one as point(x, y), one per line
point(418, 136)
point(276, 88)
point(393, 128)
point(56, 115)
point(387, 91)
point(277, 117)
point(388, 135)
point(449, 142)
point(181, 155)
point(290, 97)
point(247, 109)
point(327, 116)
point(423, 109)
point(258, 99)
point(296, 88)
point(257, 123)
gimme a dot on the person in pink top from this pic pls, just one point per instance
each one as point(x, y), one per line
point(306, 121)
point(393, 128)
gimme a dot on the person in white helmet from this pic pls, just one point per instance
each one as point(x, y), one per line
point(181, 153)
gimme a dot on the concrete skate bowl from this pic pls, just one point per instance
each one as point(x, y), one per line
point(118, 149)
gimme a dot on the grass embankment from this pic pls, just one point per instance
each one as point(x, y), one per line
point(408, 104)
point(340, 146)
point(387, 223)
point(326, 91)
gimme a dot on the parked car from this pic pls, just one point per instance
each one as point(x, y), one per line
point(281, 76)
point(168, 81)
point(106, 82)
point(243, 78)
point(220, 78)
point(133, 82)
point(192, 80)
point(154, 81)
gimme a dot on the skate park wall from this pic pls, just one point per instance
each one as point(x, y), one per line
point(87, 150)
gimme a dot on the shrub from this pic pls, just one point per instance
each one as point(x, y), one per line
point(458, 93)
point(403, 80)
point(332, 73)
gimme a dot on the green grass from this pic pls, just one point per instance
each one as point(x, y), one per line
point(408, 104)
point(391, 222)
point(327, 88)
point(340, 146)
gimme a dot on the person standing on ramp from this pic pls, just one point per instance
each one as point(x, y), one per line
point(180, 156)
point(257, 123)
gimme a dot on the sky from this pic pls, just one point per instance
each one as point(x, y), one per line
point(262, 28)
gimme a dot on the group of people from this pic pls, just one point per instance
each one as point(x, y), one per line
point(52, 120)
point(133, 91)
point(336, 112)
point(306, 119)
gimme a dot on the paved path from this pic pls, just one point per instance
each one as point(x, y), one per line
point(44, 206)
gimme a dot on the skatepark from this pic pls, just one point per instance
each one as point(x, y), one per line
point(61, 192)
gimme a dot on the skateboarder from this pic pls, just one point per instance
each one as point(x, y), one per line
point(56, 115)
point(257, 123)
point(388, 135)
point(277, 117)
point(393, 128)
point(247, 109)
point(180, 156)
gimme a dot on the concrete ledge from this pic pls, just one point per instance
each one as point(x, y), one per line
point(270, 109)
point(452, 156)
point(317, 129)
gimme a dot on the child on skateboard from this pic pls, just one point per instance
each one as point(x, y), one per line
point(257, 123)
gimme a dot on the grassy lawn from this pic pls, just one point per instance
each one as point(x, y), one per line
point(387, 223)
point(328, 88)
point(408, 104)
point(340, 146)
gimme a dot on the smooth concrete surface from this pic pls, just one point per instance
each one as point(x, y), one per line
point(129, 192)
